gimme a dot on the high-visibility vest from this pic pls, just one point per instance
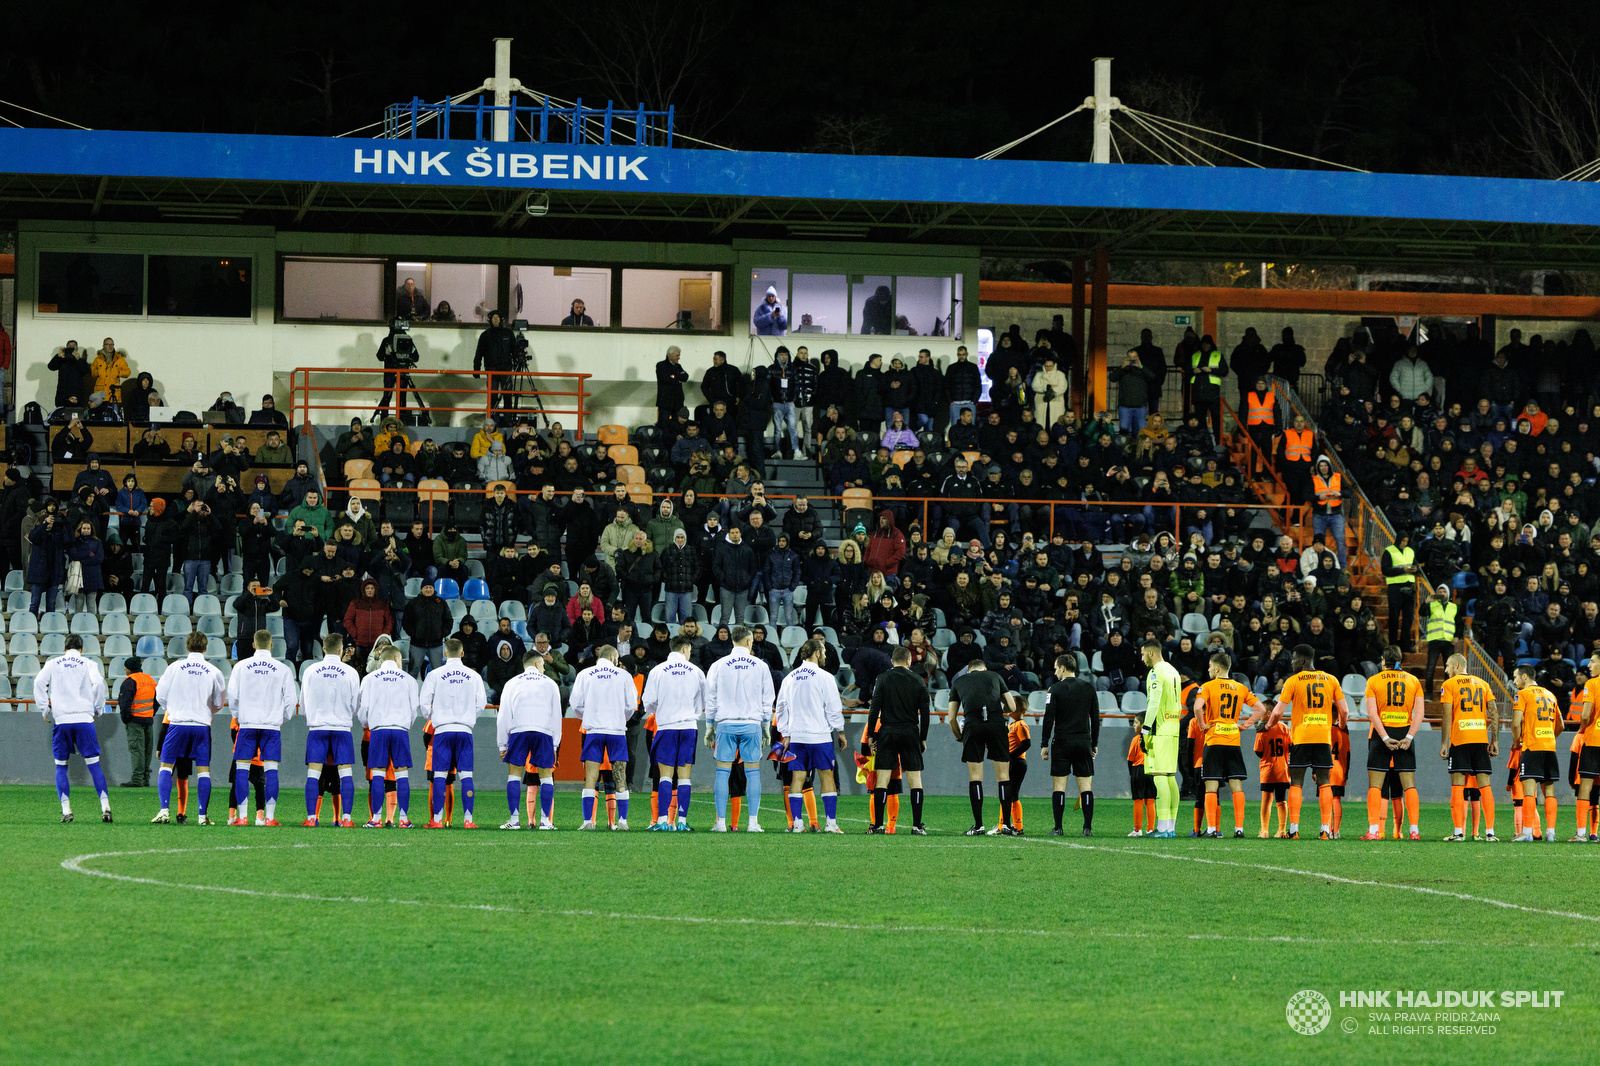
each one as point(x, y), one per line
point(1328, 492)
point(1441, 621)
point(144, 695)
point(1208, 369)
point(1399, 557)
point(1263, 409)
point(1298, 442)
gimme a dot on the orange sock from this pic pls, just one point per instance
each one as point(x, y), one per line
point(1150, 813)
point(1594, 818)
point(183, 795)
point(736, 804)
point(1530, 815)
point(338, 807)
point(611, 809)
point(1325, 804)
point(1295, 800)
point(390, 802)
point(655, 805)
point(1583, 817)
point(893, 807)
point(1283, 816)
point(1413, 807)
point(1375, 807)
point(786, 818)
point(1398, 806)
point(1212, 816)
point(1338, 814)
point(318, 815)
point(672, 807)
point(810, 798)
point(1138, 816)
point(1486, 806)
point(1549, 812)
point(1266, 812)
point(1458, 807)
point(1238, 810)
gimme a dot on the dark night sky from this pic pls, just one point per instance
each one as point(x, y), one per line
point(1425, 87)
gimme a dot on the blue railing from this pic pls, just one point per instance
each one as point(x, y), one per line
point(534, 123)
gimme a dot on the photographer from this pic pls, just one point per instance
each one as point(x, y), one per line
point(494, 355)
point(47, 565)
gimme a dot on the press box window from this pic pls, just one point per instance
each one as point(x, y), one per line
point(333, 290)
point(91, 283)
point(200, 286)
point(672, 299)
point(545, 295)
point(446, 292)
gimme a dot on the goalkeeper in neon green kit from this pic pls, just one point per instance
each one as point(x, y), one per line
point(1160, 735)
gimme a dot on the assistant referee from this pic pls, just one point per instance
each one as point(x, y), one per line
point(1070, 739)
point(897, 735)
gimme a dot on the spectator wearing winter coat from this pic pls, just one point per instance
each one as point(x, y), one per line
point(781, 575)
point(582, 523)
point(475, 651)
point(618, 535)
point(1135, 385)
point(1289, 358)
point(670, 376)
point(367, 617)
point(662, 526)
point(501, 668)
point(88, 552)
point(427, 621)
point(886, 546)
point(869, 395)
point(1411, 376)
point(898, 435)
point(735, 567)
point(678, 568)
point(74, 380)
point(802, 525)
point(500, 522)
point(638, 570)
point(820, 575)
point(769, 318)
point(450, 555)
point(495, 464)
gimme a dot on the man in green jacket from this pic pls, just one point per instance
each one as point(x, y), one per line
point(450, 554)
point(275, 452)
point(662, 526)
point(314, 515)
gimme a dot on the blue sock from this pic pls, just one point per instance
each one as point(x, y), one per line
point(547, 799)
point(241, 786)
point(797, 806)
point(205, 791)
point(622, 806)
point(347, 793)
point(830, 805)
point(465, 781)
point(98, 776)
point(313, 789)
point(436, 789)
point(514, 797)
point(663, 799)
point(375, 796)
point(684, 789)
point(752, 790)
point(164, 787)
point(272, 787)
point(402, 801)
point(719, 792)
point(588, 804)
point(63, 788)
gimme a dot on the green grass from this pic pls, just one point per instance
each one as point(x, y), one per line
point(552, 947)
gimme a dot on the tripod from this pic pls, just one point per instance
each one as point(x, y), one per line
point(399, 384)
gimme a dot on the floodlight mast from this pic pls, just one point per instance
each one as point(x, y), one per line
point(503, 84)
point(1103, 104)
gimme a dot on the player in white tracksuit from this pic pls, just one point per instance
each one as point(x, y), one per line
point(452, 698)
point(328, 698)
point(738, 706)
point(262, 693)
point(527, 733)
point(190, 692)
point(70, 692)
point(388, 706)
point(675, 692)
point(811, 723)
point(605, 698)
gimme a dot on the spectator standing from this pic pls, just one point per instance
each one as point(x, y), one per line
point(670, 376)
point(804, 392)
point(679, 567)
point(1249, 360)
point(367, 618)
point(409, 302)
point(74, 380)
point(734, 567)
point(1207, 368)
point(769, 318)
point(1411, 376)
point(780, 385)
point(1134, 386)
point(963, 385)
point(493, 356)
point(108, 370)
point(638, 571)
point(1288, 359)
point(427, 622)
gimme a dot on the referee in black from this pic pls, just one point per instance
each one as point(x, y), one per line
point(1072, 728)
point(983, 695)
point(897, 735)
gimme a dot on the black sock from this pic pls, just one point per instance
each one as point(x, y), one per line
point(1087, 798)
point(975, 794)
point(1004, 788)
point(880, 806)
point(916, 806)
point(1058, 806)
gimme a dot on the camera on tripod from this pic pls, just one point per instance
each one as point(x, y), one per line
point(519, 345)
point(398, 350)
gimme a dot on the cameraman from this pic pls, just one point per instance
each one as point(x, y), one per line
point(398, 352)
point(494, 354)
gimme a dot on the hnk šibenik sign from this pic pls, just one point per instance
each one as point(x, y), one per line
point(482, 161)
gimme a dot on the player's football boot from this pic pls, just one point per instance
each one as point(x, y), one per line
point(812, 828)
point(468, 823)
point(1413, 835)
point(204, 819)
point(976, 831)
point(1524, 837)
point(269, 822)
point(1490, 838)
point(261, 819)
point(620, 825)
point(1238, 834)
point(346, 823)
point(161, 818)
point(1454, 838)
point(512, 823)
point(916, 830)
point(795, 827)
point(433, 823)
point(755, 827)
point(876, 830)
point(684, 826)
point(309, 823)
point(183, 819)
point(585, 827)
point(1213, 834)
point(547, 826)
point(236, 820)
point(1010, 831)
point(1593, 838)
point(1292, 836)
point(105, 816)
point(65, 818)
point(1057, 833)
point(403, 823)
point(1170, 834)
point(658, 827)
point(1581, 838)
point(1370, 836)
point(1262, 835)
point(376, 823)
point(1326, 835)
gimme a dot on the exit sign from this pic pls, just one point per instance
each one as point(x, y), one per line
point(1183, 320)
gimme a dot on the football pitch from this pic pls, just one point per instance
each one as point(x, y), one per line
point(133, 943)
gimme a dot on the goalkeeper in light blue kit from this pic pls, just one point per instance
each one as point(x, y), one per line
point(739, 699)
point(1160, 735)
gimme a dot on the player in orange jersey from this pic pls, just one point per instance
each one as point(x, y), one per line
point(1217, 707)
point(1142, 788)
point(1272, 748)
point(1340, 772)
point(1018, 741)
point(1471, 729)
point(1589, 737)
point(1535, 721)
point(1393, 703)
point(1312, 700)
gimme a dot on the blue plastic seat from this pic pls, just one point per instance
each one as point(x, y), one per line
point(476, 589)
point(447, 589)
point(149, 646)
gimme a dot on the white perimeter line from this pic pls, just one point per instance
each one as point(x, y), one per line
point(76, 865)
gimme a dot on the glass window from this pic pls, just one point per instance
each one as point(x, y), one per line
point(551, 295)
point(922, 307)
point(91, 283)
point(333, 289)
point(669, 299)
point(446, 292)
point(773, 323)
point(872, 304)
point(201, 286)
point(820, 303)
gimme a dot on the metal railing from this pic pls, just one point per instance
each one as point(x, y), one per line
point(1173, 398)
point(528, 123)
point(487, 392)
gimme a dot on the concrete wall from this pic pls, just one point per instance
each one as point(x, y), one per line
point(25, 759)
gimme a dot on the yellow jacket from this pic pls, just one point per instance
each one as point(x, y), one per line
point(108, 376)
point(380, 444)
point(485, 437)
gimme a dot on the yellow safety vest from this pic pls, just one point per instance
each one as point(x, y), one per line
point(1297, 446)
point(1399, 557)
point(1262, 409)
point(1208, 369)
point(1441, 622)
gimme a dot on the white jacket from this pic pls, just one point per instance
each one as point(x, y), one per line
point(529, 702)
point(191, 691)
point(330, 693)
point(738, 689)
point(262, 692)
point(452, 698)
point(388, 698)
point(675, 692)
point(69, 690)
point(809, 708)
point(604, 697)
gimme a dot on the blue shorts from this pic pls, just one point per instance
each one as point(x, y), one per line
point(739, 741)
point(330, 747)
point(74, 737)
point(387, 746)
point(811, 757)
point(531, 748)
point(191, 742)
point(267, 744)
point(598, 747)
point(675, 747)
point(452, 751)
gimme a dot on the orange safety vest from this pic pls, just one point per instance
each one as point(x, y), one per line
point(1263, 409)
point(1297, 448)
point(144, 695)
point(1328, 492)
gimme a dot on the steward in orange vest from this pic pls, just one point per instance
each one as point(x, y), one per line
point(136, 699)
